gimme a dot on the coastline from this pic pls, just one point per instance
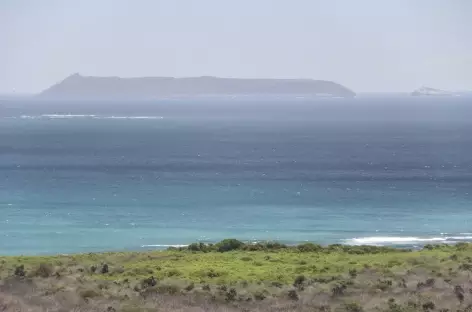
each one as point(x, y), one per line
point(387, 242)
point(233, 276)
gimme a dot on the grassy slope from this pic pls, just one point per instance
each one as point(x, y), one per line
point(236, 266)
point(334, 276)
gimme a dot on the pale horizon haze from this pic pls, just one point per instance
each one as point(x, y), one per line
point(365, 45)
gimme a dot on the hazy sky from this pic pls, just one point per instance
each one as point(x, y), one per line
point(367, 45)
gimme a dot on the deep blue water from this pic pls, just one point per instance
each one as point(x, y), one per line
point(144, 175)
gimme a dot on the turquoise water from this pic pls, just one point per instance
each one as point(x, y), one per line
point(81, 177)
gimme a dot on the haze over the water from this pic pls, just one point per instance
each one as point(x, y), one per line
point(366, 45)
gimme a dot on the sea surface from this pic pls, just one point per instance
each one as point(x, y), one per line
point(124, 175)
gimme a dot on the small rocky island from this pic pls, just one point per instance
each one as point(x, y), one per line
point(77, 86)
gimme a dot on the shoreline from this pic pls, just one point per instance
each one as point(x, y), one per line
point(400, 243)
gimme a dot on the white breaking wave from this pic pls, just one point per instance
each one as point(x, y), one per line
point(72, 116)
point(53, 116)
point(459, 238)
point(28, 117)
point(176, 246)
point(406, 240)
point(129, 117)
point(381, 240)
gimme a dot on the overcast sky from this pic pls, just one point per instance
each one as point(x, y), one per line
point(366, 45)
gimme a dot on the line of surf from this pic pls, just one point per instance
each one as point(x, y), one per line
point(82, 116)
point(405, 240)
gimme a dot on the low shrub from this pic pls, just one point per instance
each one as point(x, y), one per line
point(427, 306)
point(102, 286)
point(299, 281)
point(292, 294)
point(231, 294)
point(309, 247)
point(202, 247)
point(459, 292)
point(253, 247)
point(173, 272)
point(383, 285)
point(275, 246)
point(465, 267)
point(194, 247)
point(338, 290)
point(428, 247)
point(428, 283)
point(260, 295)
point(20, 271)
point(44, 270)
point(149, 282)
point(462, 246)
point(353, 273)
point(277, 284)
point(190, 287)
point(211, 273)
point(229, 245)
point(402, 283)
point(324, 279)
point(264, 246)
point(394, 307)
point(104, 269)
point(353, 307)
point(361, 250)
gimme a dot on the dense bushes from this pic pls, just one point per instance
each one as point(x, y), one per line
point(309, 247)
point(229, 245)
point(201, 247)
point(234, 244)
point(265, 246)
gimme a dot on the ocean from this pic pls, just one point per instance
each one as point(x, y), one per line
point(121, 175)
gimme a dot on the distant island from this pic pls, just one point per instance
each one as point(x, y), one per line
point(427, 91)
point(88, 87)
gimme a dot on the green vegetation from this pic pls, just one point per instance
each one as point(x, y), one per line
point(238, 275)
point(229, 261)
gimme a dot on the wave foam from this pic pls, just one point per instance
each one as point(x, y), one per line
point(129, 117)
point(404, 240)
point(464, 238)
point(28, 117)
point(381, 240)
point(88, 116)
point(61, 116)
point(176, 246)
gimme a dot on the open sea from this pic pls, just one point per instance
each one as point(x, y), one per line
point(124, 175)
